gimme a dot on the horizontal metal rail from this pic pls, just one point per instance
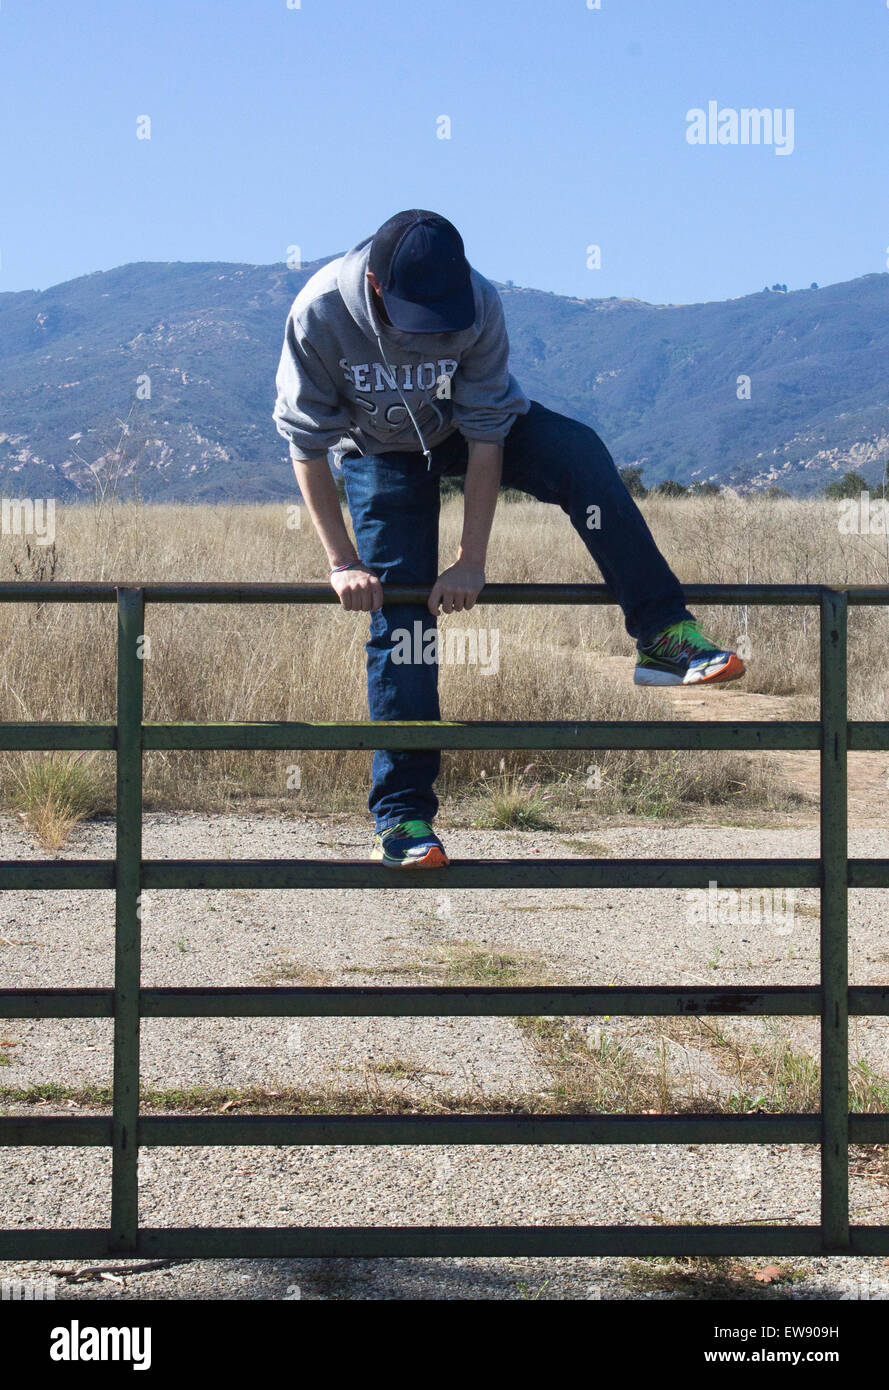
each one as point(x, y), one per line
point(307, 1130)
point(744, 736)
point(462, 873)
point(439, 1242)
point(769, 595)
point(405, 1001)
point(127, 1127)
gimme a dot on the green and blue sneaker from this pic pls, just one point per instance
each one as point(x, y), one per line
point(412, 844)
point(681, 655)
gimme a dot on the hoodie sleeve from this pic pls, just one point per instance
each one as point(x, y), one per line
point(309, 411)
point(486, 397)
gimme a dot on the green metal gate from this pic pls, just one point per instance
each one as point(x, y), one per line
point(126, 1130)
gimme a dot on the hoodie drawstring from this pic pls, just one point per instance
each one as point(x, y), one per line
point(394, 377)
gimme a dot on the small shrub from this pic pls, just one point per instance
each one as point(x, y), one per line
point(56, 791)
point(510, 804)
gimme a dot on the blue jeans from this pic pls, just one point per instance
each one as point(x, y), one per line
point(394, 504)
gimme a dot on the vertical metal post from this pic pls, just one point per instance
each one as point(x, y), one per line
point(127, 926)
point(834, 925)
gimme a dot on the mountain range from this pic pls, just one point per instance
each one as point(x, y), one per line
point(158, 379)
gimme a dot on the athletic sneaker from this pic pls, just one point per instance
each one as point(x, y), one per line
point(410, 845)
point(681, 655)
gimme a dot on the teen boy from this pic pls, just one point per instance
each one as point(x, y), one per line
point(396, 358)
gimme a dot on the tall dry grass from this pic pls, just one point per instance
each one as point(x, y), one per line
point(306, 663)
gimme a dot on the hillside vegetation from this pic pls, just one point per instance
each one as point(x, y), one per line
point(660, 383)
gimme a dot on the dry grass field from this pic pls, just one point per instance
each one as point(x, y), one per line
point(214, 662)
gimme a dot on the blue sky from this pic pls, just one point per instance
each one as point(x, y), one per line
point(273, 127)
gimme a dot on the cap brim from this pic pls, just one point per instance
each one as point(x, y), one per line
point(450, 315)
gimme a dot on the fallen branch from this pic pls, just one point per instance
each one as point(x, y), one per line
point(79, 1276)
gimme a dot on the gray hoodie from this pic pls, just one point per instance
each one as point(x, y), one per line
point(346, 380)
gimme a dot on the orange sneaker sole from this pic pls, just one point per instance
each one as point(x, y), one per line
point(434, 858)
point(732, 669)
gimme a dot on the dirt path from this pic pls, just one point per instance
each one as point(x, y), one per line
point(868, 772)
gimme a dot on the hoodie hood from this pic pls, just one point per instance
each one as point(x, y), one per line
point(347, 381)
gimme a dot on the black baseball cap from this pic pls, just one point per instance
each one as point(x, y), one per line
point(419, 260)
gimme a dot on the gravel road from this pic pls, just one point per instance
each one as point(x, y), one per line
point(565, 936)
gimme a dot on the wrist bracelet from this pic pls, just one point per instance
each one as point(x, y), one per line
point(352, 565)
